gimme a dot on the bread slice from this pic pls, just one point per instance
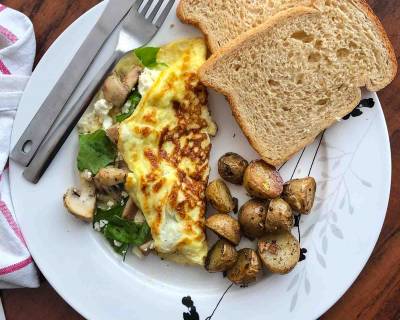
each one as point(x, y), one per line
point(300, 72)
point(224, 20)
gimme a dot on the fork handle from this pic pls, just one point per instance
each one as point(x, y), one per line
point(66, 123)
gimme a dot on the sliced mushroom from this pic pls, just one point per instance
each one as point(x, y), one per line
point(81, 202)
point(116, 88)
point(115, 91)
point(112, 133)
point(132, 77)
point(109, 176)
point(146, 247)
point(130, 210)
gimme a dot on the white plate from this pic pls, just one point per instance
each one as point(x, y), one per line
point(353, 172)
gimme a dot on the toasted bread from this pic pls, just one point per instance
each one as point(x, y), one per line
point(301, 71)
point(222, 20)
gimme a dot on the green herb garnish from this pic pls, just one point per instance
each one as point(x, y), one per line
point(96, 151)
point(147, 55)
point(134, 100)
point(120, 233)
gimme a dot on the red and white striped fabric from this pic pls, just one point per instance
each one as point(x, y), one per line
point(17, 52)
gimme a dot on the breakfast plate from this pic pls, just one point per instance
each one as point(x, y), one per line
point(350, 161)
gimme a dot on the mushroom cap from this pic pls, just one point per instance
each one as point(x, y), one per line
point(81, 203)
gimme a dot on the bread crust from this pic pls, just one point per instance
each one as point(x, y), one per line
point(364, 6)
point(180, 12)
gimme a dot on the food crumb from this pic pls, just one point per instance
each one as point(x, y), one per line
point(172, 25)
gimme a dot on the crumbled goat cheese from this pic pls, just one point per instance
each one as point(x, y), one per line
point(117, 243)
point(86, 174)
point(110, 203)
point(102, 108)
point(146, 79)
point(126, 107)
point(124, 194)
point(96, 226)
point(102, 223)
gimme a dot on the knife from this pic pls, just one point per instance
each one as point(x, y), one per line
point(52, 106)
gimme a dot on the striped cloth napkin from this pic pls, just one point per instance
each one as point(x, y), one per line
point(17, 52)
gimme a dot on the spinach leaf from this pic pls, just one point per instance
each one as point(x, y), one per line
point(95, 151)
point(119, 232)
point(134, 100)
point(147, 55)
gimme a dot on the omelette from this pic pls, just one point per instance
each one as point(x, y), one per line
point(166, 145)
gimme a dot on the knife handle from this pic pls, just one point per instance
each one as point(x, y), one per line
point(66, 123)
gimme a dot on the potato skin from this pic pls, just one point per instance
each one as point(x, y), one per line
point(246, 268)
point(231, 167)
point(279, 251)
point(218, 194)
point(262, 180)
point(221, 257)
point(300, 194)
point(252, 218)
point(279, 216)
point(225, 226)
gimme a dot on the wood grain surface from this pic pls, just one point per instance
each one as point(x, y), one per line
point(376, 292)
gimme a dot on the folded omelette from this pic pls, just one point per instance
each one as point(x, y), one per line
point(166, 145)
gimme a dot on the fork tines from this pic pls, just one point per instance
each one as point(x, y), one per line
point(155, 10)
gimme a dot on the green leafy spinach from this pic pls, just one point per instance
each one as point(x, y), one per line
point(95, 151)
point(119, 232)
point(147, 55)
point(134, 100)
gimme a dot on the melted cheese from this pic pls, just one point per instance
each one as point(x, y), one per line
point(166, 145)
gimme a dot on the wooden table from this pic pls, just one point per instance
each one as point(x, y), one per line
point(376, 292)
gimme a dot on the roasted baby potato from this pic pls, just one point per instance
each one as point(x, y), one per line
point(218, 194)
point(231, 167)
point(225, 226)
point(279, 251)
point(279, 216)
point(261, 180)
point(246, 268)
point(252, 218)
point(300, 194)
point(221, 257)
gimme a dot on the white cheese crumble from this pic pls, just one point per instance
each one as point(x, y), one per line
point(146, 79)
point(126, 107)
point(102, 223)
point(117, 243)
point(102, 108)
point(110, 203)
point(124, 194)
point(107, 122)
point(96, 226)
point(86, 174)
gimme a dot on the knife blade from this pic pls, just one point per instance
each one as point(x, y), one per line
point(52, 106)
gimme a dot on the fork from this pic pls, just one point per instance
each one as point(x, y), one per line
point(139, 27)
